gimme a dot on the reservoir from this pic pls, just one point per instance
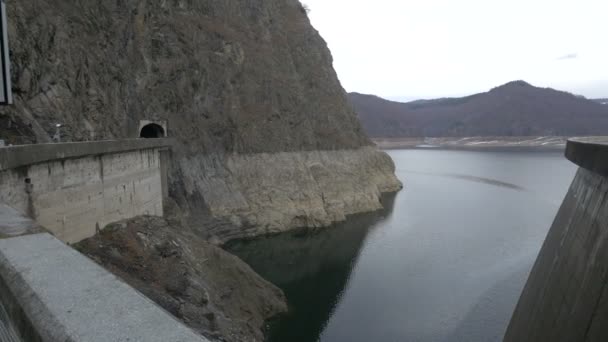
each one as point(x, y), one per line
point(446, 260)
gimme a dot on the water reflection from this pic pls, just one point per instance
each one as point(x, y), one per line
point(491, 308)
point(313, 268)
point(446, 265)
point(470, 178)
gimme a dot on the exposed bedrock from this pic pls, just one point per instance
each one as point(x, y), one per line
point(265, 137)
point(213, 292)
point(273, 192)
point(265, 134)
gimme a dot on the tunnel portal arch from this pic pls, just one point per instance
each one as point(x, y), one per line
point(152, 129)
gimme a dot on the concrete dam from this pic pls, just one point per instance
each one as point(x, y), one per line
point(566, 295)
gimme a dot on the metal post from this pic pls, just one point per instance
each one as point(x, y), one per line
point(6, 94)
point(57, 136)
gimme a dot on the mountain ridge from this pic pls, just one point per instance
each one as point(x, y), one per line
point(602, 101)
point(516, 108)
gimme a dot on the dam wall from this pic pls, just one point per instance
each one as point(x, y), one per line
point(566, 296)
point(75, 189)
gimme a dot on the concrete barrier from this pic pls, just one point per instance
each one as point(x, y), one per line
point(54, 294)
point(12, 157)
point(50, 292)
point(75, 189)
point(566, 296)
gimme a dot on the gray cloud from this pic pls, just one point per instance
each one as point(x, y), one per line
point(568, 56)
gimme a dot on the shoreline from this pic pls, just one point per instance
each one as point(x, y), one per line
point(493, 144)
point(502, 148)
point(387, 200)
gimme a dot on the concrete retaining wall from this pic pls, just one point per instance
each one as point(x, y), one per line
point(48, 291)
point(75, 189)
point(566, 296)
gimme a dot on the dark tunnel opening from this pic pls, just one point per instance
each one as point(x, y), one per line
point(152, 131)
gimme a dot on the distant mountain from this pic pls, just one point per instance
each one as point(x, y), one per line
point(514, 109)
point(602, 101)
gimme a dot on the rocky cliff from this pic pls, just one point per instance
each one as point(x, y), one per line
point(265, 136)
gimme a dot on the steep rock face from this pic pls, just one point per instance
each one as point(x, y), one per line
point(239, 76)
point(236, 80)
point(273, 192)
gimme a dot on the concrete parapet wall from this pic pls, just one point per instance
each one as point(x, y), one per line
point(22, 155)
point(566, 296)
point(54, 294)
point(74, 189)
point(592, 156)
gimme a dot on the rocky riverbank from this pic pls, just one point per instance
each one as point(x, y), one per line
point(210, 290)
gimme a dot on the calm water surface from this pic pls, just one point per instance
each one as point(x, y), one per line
point(445, 262)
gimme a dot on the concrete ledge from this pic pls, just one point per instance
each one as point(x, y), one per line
point(589, 154)
point(66, 297)
point(16, 156)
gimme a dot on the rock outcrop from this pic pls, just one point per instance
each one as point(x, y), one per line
point(272, 192)
point(265, 135)
point(212, 291)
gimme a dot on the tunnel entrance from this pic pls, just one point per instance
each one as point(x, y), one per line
point(152, 130)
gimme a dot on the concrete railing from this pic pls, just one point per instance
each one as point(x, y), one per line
point(75, 189)
point(566, 296)
point(592, 156)
point(52, 293)
point(12, 157)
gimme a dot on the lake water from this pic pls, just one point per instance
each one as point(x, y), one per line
point(445, 262)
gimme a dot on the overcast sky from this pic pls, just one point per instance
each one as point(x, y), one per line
point(432, 48)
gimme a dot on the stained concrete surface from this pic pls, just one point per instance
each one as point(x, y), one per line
point(75, 189)
point(566, 296)
point(13, 223)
